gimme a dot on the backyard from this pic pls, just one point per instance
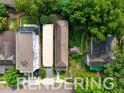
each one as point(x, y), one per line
point(27, 20)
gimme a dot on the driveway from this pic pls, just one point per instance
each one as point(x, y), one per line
point(49, 72)
point(37, 90)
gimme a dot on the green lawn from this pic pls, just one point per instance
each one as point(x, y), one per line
point(27, 20)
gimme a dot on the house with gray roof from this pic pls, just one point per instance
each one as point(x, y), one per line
point(100, 53)
point(7, 50)
point(27, 50)
point(7, 3)
point(61, 45)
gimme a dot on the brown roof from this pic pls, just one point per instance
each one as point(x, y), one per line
point(24, 49)
point(7, 45)
point(61, 43)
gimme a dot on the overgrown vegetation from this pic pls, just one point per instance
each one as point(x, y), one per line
point(115, 69)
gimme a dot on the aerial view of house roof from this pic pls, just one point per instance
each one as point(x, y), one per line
point(24, 52)
point(7, 50)
point(61, 44)
point(101, 53)
point(7, 45)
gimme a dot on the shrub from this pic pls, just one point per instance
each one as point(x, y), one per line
point(52, 18)
point(11, 76)
point(43, 19)
point(42, 73)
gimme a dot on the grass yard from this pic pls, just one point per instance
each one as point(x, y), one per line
point(79, 69)
point(27, 20)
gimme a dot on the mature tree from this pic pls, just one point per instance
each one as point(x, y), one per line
point(50, 6)
point(98, 18)
point(38, 8)
point(22, 5)
point(34, 11)
point(11, 76)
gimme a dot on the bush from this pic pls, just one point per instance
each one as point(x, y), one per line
point(52, 18)
point(42, 73)
point(43, 19)
point(11, 76)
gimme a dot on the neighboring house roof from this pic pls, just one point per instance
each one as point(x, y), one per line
point(7, 2)
point(48, 45)
point(101, 53)
point(24, 51)
point(7, 47)
point(29, 29)
point(61, 43)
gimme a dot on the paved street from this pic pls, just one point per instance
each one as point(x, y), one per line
point(42, 90)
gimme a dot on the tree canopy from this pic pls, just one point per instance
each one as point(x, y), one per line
point(38, 8)
point(98, 18)
point(3, 10)
point(3, 15)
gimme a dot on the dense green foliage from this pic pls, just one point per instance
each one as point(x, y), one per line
point(22, 5)
point(38, 8)
point(3, 10)
point(97, 18)
point(11, 76)
point(42, 73)
point(3, 14)
point(52, 18)
point(43, 19)
point(115, 69)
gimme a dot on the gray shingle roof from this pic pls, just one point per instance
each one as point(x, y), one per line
point(7, 2)
point(101, 53)
point(29, 29)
